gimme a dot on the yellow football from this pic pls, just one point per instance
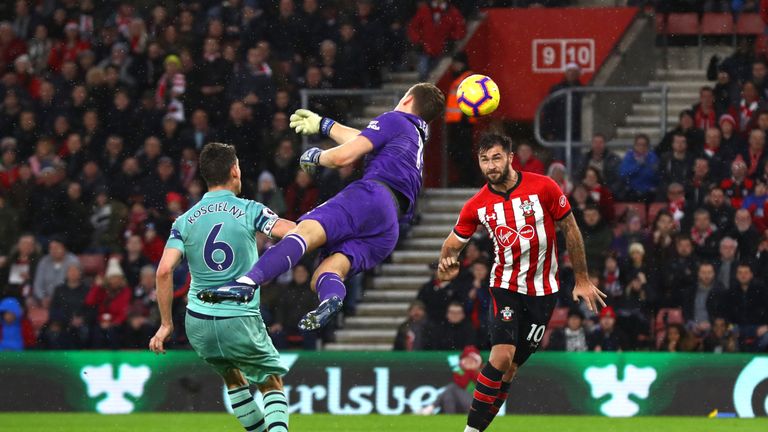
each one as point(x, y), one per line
point(478, 95)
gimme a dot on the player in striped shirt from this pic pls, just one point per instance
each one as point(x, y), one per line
point(520, 211)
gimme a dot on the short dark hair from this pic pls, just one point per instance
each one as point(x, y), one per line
point(216, 160)
point(488, 140)
point(428, 101)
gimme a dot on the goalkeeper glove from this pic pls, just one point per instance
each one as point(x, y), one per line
point(310, 160)
point(305, 122)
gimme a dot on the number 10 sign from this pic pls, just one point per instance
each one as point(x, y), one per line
point(551, 55)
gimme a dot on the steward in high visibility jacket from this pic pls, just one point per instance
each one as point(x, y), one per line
point(460, 69)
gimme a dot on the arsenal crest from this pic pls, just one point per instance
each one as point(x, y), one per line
point(506, 314)
point(527, 208)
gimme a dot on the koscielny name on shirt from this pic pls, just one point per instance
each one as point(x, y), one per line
point(217, 207)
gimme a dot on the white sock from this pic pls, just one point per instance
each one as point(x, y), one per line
point(471, 429)
point(245, 280)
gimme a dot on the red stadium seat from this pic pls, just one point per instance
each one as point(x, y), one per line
point(654, 210)
point(716, 24)
point(750, 24)
point(93, 264)
point(683, 24)
point(622, 209)
point(559, 318)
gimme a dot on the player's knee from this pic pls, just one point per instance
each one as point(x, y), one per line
point(233, 378)
point(501, 359)
point(312, 233)
point(273, 382)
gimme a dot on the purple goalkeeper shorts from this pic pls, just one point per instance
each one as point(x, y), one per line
point(360, 222)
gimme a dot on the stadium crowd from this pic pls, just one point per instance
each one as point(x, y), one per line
point(105, 107)
point(675, 232)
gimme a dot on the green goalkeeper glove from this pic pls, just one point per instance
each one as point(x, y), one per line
point(305, 122)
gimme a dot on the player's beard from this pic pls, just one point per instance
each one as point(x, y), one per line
point(501, 179)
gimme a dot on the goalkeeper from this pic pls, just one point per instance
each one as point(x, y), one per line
point(359, 227)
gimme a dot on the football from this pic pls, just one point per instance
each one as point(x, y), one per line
point(478, 95)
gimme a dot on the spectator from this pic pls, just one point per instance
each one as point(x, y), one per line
point(200, 133)
point(68, 297)
point(107, 219)
point(632, 233)
point(679, 274)
point(479, 302)
point(700, 183)
point(51, 270)
point(676, 166)
point(731, 142)
point(432, 29)
point(411, 333)
point(704, 113)
point(721, 339)
point(209, 79)
point(606, 162)
point(559, 173)
point(453, 334)
point(607, 337)
point(597, 237)
point(572, 337)
point(599, 193)
point(525, 160)
point(77, 235)
point(749, 106)
point(459, 127)
point(436, 295)
point(719, 209)
point(294, 301)
point(268, 194)
point(675, 339)
point(726, 93)
point(17, 269)
point(110, 302)
point(704, 302)
point(456, 397)
point(676, 205)
point(9, 225)
point(755, 155)
point(705, 235)
point(171, 87)
point(11, 46)
point(611, 281)
point(300, 196)
point(661, 239)
point(746, 235)
point(16, 333)
point(69, 49)
point(555, 110)
point(134, 259)
point(135, 332)
point(252, 79)
point(686, 126)
point(746, 307)
point(638, 172)
point(156, 186)
point(738, 186)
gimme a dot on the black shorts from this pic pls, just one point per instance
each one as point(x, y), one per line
point(520, 320)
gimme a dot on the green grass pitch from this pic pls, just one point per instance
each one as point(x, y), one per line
point(172, 422)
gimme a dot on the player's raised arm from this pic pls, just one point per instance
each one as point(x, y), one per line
point(306, 122)
point(583, 289)
point(164, 285)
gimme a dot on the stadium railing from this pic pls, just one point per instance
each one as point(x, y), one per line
point(570, 141)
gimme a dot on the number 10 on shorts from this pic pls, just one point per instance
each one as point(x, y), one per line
point(536, 333)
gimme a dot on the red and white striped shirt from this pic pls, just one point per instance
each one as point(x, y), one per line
point(521, 223)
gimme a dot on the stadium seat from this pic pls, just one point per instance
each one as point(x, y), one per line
point(93, 264)
point(654, 209)
point(621, 210)
point(717, 24)
point(37, 316)
point(683, 24)
point(750, 24)
point(559, 318)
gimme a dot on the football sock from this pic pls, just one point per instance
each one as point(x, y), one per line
point(246, 410)
point(276, 260)
point(276, 411)
point(329, 285)
point(486, 392)
point(500, 399)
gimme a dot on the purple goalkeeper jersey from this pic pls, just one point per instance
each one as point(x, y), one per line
point(397, 158)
